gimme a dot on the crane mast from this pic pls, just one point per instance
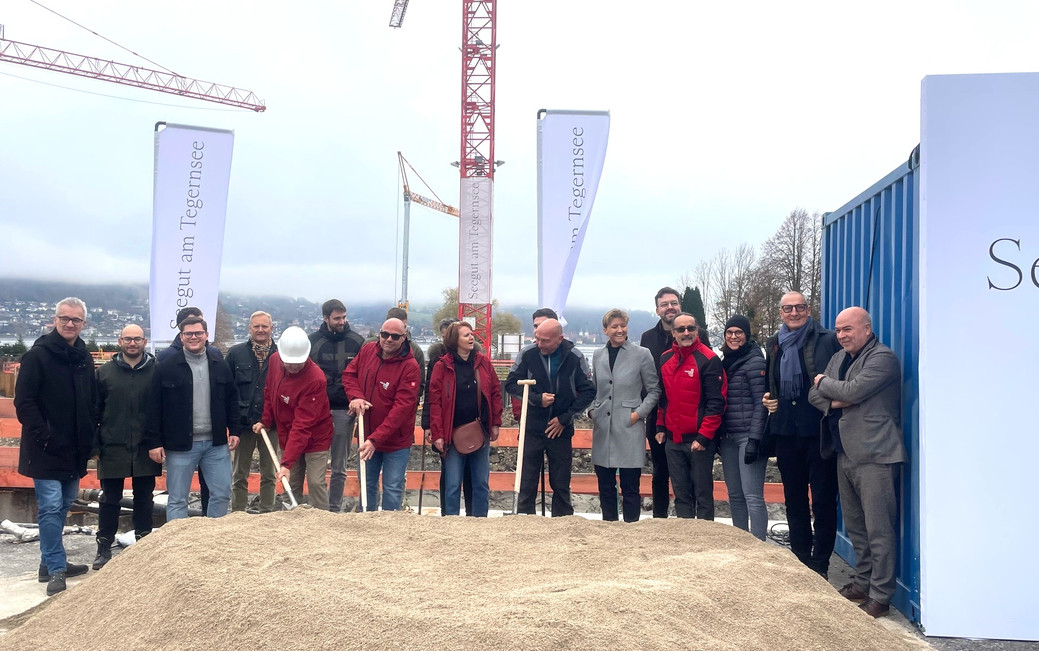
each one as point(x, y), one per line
point(479, 45)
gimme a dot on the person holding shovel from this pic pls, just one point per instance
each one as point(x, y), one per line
point(296, 404)
point(464, 389)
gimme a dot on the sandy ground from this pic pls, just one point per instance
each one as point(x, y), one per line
point(311, 579)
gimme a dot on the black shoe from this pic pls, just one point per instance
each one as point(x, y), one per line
point(104, 553)
point(56, 583)
point(71, 569)
point(140, 534)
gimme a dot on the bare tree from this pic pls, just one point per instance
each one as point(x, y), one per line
point(733, 278)
point(793, 253)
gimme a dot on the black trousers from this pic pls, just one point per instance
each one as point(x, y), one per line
point(661, 478)
point(804, 469)
point(560, 459)
point(108, 507)
point(632, 503)
point(692, 477)
point(467, 486)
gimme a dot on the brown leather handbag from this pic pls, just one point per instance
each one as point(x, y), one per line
point(470, 437)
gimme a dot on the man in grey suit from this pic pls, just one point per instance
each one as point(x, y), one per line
point(860, 394)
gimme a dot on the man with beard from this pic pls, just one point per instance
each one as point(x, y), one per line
point(54, 400)
point(248, 364)
point(332, 347)
point(122, 392)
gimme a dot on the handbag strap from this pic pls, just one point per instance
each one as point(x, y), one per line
point(479, 389)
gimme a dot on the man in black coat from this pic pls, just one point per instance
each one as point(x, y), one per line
point(248, 364)
point(563, 391)
point(333, 347)
point(193, 421)
point(55, 398)
point(795, 355)
point(123, 385)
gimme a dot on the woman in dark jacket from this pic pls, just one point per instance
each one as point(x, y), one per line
point(744, 421)
point(456, 398)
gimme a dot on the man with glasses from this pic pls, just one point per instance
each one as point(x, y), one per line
point(248, 364)
point(795, 356)
point(383, 384)
point(332, 347)
point(54, 400)
point(658, 340)
point(122, 386)
point(193, 421)
point(690, 414)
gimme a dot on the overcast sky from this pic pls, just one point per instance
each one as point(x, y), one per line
point(724, 117)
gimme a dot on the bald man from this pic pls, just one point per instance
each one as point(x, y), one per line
point(563, 390)
point(122, 387)
point(382, 384)
point(860, 394)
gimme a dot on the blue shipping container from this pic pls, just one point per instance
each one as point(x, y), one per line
point(869, 259)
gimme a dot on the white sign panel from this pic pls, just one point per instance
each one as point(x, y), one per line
point(571, 153)
point(475, 241)
point(979, 302)
point(192, 172)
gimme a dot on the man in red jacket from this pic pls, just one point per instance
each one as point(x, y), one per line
point(382, 384)
point(689, 414)
point(295, 402)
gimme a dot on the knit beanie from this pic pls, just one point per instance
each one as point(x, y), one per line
point(739, 321)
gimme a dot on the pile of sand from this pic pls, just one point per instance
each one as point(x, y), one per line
point(312, 579)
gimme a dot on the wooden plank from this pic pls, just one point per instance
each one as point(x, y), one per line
point(580, 483)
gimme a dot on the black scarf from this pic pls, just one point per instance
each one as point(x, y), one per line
point(730, 356)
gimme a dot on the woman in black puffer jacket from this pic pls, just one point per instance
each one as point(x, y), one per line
point(744, 419)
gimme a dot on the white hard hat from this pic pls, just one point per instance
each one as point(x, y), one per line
point(294, 346)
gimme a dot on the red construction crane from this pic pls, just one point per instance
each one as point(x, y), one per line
point(37, 56)
point(477, 162)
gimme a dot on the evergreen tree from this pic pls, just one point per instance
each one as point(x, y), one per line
point(692, 302)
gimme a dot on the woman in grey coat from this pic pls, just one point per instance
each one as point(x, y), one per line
point(743, 463)
point(622, 373)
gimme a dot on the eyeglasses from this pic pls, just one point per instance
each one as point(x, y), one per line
point(735, 333)
point(681, 329)
point(132, 340)
point(193, 335)
point(787, 309)
point(74, 320)
point(669, 304)
point(390, 335)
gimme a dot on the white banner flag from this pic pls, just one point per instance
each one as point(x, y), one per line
point(192, 172)
point(571, 152)
point(475, 242)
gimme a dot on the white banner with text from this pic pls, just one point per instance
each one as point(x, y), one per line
point(475, 252)
point(571, 153)
point(192, 173)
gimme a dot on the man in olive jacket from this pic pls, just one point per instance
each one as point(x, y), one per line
point(54, 401)
point(860, 392)
point(122, 395)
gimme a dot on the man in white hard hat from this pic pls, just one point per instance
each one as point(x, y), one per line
point(295, 402)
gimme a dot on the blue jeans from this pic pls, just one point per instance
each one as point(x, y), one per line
point(215, 463)
point(394, 467)
point(53, 499)
point(479, 468)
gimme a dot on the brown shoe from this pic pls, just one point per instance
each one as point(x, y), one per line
point(874, 608)
point(852, 592)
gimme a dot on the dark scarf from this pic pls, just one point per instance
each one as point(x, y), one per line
point(790, 341)
point(730, 356)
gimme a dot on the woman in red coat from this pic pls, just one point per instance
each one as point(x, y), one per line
point(457, 398)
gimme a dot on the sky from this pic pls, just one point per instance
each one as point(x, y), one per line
point(724, 118)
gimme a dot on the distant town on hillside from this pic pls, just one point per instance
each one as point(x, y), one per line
point(27, 309)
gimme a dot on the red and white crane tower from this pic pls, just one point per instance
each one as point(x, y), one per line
point(476, 162)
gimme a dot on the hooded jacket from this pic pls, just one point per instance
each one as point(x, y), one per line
point(297, 406)
point(392, 386)
point(573, 389)
point(55, 398)
point(693, 401)
point(122, 404)
point(332, 352)
point(443, 389)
